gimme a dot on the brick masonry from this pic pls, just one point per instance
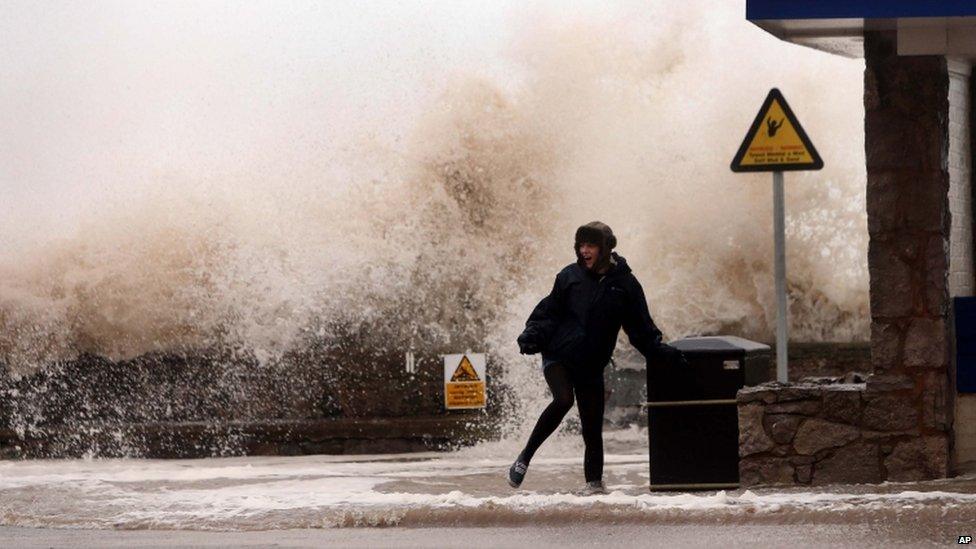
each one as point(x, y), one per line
point(898, 424)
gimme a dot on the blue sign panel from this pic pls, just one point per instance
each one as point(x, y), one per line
point(965, 314)
point(857, 9)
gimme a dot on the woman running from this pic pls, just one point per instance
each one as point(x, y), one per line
point(575, 328)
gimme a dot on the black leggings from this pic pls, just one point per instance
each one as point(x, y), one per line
point(588, 385)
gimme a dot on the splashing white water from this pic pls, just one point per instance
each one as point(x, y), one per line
point(183, 179)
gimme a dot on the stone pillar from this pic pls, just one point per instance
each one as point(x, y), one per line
point(906, 102)
point(961, 264)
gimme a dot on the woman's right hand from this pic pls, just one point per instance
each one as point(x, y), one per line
point(527, 344)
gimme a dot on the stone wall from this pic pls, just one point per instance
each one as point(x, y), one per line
point(897, 425)
point(812, 359)
point(197, 439)
point(906, 103)
point(319, 399)
point(816, 433)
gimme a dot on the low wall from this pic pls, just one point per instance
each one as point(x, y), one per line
point(627, 377)
point(271, 437)
point(835, 430)
point(209, 404)
point(810, 359)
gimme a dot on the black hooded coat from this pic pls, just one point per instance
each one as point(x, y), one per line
point(578, 322)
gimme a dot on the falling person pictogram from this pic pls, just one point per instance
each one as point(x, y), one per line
point(465, 371)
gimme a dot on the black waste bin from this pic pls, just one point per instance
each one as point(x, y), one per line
point(692, 422)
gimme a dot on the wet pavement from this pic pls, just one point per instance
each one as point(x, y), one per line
point(544, 536)
point(433, 498)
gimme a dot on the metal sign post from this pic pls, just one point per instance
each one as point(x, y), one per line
point(779, 240)
point(775, 143)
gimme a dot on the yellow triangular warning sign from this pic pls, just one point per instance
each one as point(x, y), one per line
point(465, 371)
point(776, 141)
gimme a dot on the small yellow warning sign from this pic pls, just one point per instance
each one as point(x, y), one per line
point(464, 381)
point(776, 141)
point(465, 371)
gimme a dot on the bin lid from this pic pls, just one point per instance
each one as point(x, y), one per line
point(718, 344)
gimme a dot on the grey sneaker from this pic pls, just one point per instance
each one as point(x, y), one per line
point(516, 473)
point(593, 488)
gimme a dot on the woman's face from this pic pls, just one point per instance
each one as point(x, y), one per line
point(589, 253)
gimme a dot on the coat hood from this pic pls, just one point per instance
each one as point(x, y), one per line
point(618, 265)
